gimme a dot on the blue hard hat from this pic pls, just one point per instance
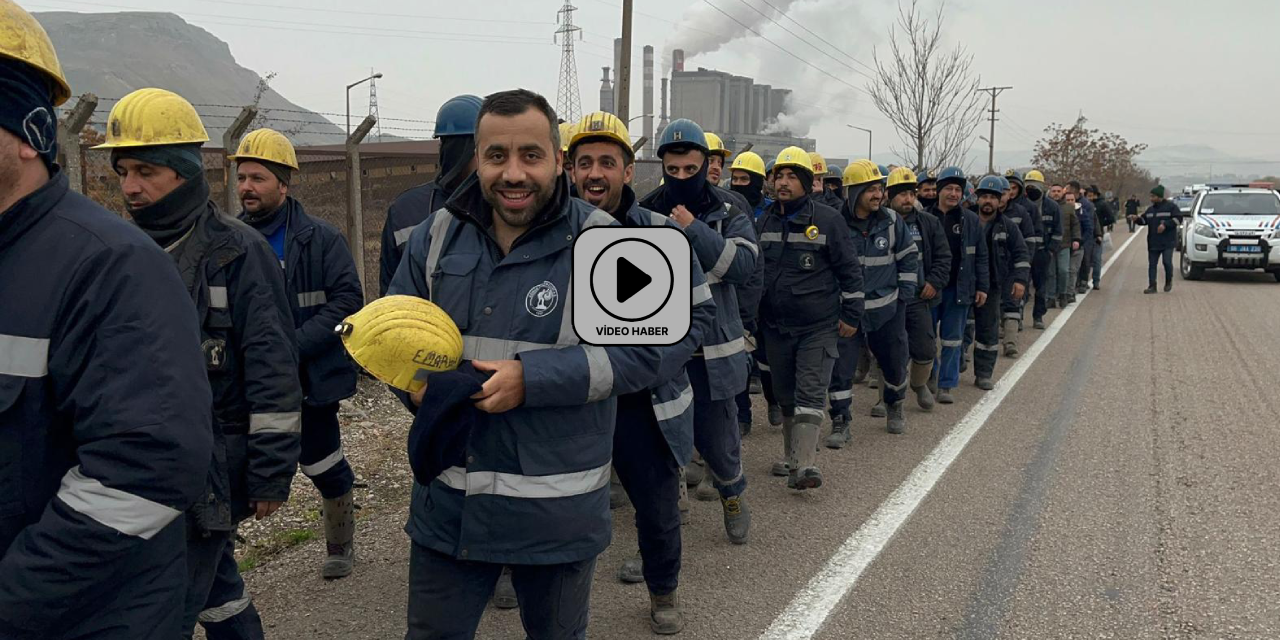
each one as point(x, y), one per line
point(768, 167)
point(884, 171)
point(458, 116)
point(992, 184)
point(950, 174)
point(682, 132)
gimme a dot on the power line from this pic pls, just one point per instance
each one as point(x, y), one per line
point(820, 38)
point(810, 44)
point(784, 50)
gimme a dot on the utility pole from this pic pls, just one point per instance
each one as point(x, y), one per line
point(624, 68)
point(991, 140)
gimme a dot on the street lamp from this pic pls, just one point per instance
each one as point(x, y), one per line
point(349, 88)
point(868, 131)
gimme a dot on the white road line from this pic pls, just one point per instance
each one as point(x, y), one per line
point(805, 615)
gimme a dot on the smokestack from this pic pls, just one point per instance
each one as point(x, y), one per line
point(648, 100)
point(617, 67)
point(606, 93)
point(663, 120)
point(677, 60)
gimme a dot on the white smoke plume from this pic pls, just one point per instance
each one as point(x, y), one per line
point(704, 29)
point(795, 120)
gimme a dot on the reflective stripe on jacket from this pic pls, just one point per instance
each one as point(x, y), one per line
point(888, 254)
point(812, 277)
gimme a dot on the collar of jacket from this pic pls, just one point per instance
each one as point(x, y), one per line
point(268, 224)
point(711, 209)
point(879, 220)
point(26, 212)
point(469, 205)
point(801, 217)
point(629, 213)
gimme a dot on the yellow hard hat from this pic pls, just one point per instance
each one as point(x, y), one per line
point(401, 339)
point(793, 157)
point(715, 146)
point(267, 145)
point(24, 40)
point(901, 176)
point(153, 117)
point(1033, 175)
point(566, 134)
point(750, 162)
point(861, 172)
point(602, 125)
point(819, 163)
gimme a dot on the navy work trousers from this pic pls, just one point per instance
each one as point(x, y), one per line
point(651, 477)
point(322, 459)
point(888, 344)
point(215, 593)
point(716, 434)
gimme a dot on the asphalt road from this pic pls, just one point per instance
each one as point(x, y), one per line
point(1124, 487)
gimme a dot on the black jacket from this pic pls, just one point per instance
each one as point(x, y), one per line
point(812, 277)
point(1106, 213)
point(1170, 215)
point(105, 433)
point(1010, 260)
point(935, 252)
point(407, 211)
point(247, 336)
point(324, 289)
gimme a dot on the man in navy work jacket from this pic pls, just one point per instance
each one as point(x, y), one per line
point(455, 128)
point(890, 275)
point(1161, 219)
point(104, 408)
point(654, 434)
point(1010, 272)
point(724, 241)
point(246, 335)
point(324, 288)
point(812, 297)
point(969, 282)
point(534, 491)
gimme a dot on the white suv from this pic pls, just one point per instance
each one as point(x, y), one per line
point(1235, 228)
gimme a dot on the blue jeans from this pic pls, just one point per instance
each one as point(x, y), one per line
point(951, 318)
point(1154, 258)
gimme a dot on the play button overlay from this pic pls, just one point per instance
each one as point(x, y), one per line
point(631, 280)
point(631, 286)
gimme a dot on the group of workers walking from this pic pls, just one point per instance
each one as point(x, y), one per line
point(162, 379)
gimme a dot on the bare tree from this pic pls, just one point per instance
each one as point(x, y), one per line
point(1092, 157)
point(929, 94)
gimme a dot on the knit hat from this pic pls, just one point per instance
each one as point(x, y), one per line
point(27, 109)
point(182, 158)
point(1158, 191)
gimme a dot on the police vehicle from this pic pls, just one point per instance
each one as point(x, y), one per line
point(1235, 228)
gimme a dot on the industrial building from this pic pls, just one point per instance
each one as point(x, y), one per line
point(732, 106)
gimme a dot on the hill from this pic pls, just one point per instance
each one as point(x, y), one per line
point(111, 54)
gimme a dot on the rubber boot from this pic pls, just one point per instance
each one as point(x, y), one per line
point(879, 410)
point(632, 570)
point(1011, 338)
point(666, 615)
point(920, 376)
point(694, 472)
point(896, 423)
point(504, 593)
point(683, 502)
point(873, 378)
point(737, 518)
point(782, 467)
point(840, 435)
point(933, 382)
point(339, 536)
point(804, 473)
point(706, 491)
point(775, 415)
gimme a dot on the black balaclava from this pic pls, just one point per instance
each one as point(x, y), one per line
point(687, 191)
point(753, 192)
point(27, 109)
point(1033, 192)
point(170, 218)
point(929, 203)
point(455, 154)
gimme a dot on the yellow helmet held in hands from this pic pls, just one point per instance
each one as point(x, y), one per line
point(567, 130)
point(23, 39)
point(750, 162)
point(400, 340)
point(267, 145)
point(602, 125)
point(793, 157)
point(1034, 175)
point(153, 117)
point(901, 176)
point(715, 146)
point(861, 172)
point(819, 164)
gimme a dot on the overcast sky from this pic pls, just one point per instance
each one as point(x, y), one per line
point(1163, 72)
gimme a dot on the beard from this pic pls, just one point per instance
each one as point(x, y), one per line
point(523, 216)
point(987, 209)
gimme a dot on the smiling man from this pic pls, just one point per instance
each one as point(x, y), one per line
point(532, 490)
point(323, 288)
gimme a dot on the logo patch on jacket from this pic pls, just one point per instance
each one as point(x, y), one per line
point(541, 300)
point(882, 243)
point(806, 261)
